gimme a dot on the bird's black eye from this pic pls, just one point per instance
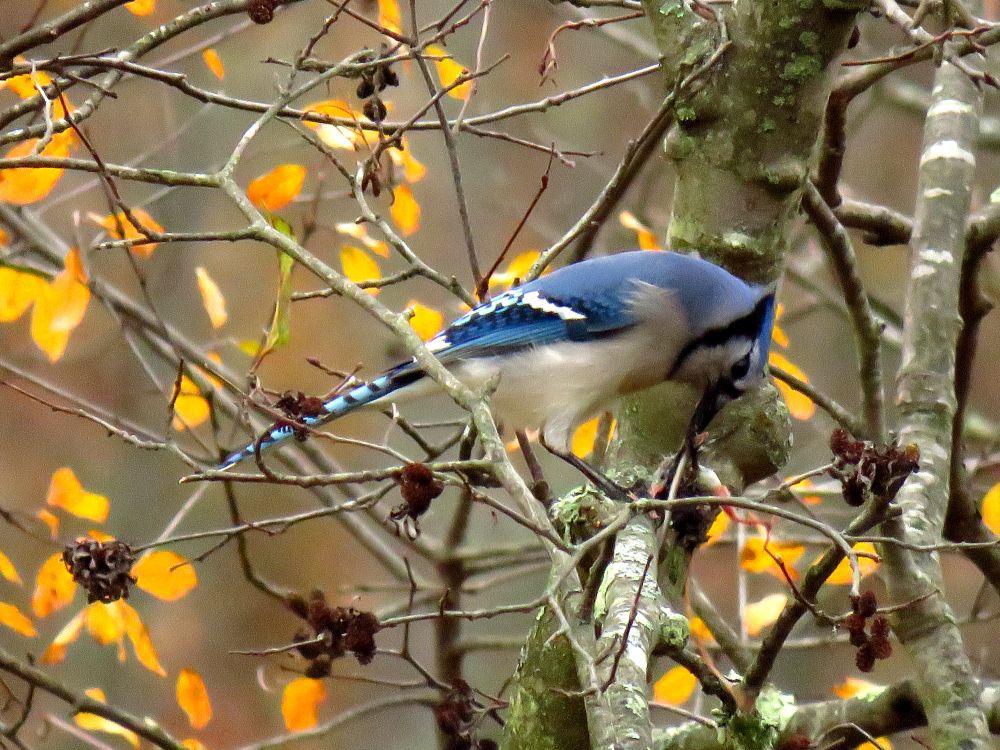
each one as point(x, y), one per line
point(741, 368)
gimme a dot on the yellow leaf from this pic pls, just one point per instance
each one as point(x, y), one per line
point(279, 187)
point(190, 407)
point(675, 687)
point(755, 559)
point(405, 210)
point(193, 744)
point(4, 237)
point(842, 573)
point(211, 298)
point(147, 222)
point(7, 569)
point(213, 62)
point(18, 291)
point(299, 701)
point(778, 335)
point(16, 620)
point(336, 136)
point(141, 7)
point(516, 270)
point(27, 85)
point(647, 240)
point(800, 406)
point(388, 15)
point(413, 170)
point(762, 613)
point(54, 587)
point(449, 71)
point(95, 723)
point(66, 492)
point(192, 697)
point(883, 744)
point(426, 321)
point(699, 631)
point(717, 529)
point(105, 622)
point(804, 486)
point(359, 266)
point(60, 308)
point(99, 536)
point(142, 644)
point(164, 574)
point(24, 185)
point(991, 509)
point(853, 687)
point(51, 520)
point(56, 651)
point(360, 233)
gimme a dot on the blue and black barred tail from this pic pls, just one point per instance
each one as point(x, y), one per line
point(338, 406)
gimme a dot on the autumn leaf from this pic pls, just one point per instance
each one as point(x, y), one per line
point(192, 697)
point(164, 574)
point(804, 486)
point(16, 620)
point(54, 587)
point(7, 569)
point(141, 7)
point(279, 187)
point(585, 437)
point(388, 15)
point(717, 529)
point(449, 71)
point(27, 85)
point(760, 614)
point(213, 62)
point(842, 575)
point(359, 266)
point(190, 407)
point(991, 509)
point(883, 744)
point(131, 232)
point(699, 631)
point(853, 687)
point(754, 557)
point(426, 321)
point(800, 406)
point(66, 492)
point(299, 701)
point(24, 185)
point(193, 744)
point(647, 240)
point(106, 624)
point(516, 270)
point(341, 137)
point(95, 723)
point(405, 210)
point(675, 687)
point(211, 298)
point(60, 307)
point(18, 291)
point(50, 519)
point(778, 335)
point(142, 644)
point(413, 170)
point(360, 233)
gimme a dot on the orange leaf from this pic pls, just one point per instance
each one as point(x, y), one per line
point(214, 62)
point(56, 651)
point(585, 437)
point(516, 270)
point(50, 519)
point(24, 185)
point(336, 136)
point(192, 696)
point(95, 723)
point(66, 492)
point(800, 406)
point(755, 559)
point(27, 85)
point(279, 187)
point(675, 687)
point(141, 642)
point(7, 569)
point(165, 574)
point(405, 210)
point(147, 222)
point(853, 687)
point(699, 631)
point(388, 15)
point(360, 233)
point(449, 71)
point(60, 308)
point(54, 587)
point(359, 266)
point(991, 509)
point(647, 240)
point(211, 298)
point(804, 486)
point(193, 744)
point(883, 744)
point(190, 407)
point(105, 622)
point(426, 321)
point(4, 237)
point(718, 528)
point(299, 701)
point(762, 613)
point(16, 620)
point(141, 7)
point(842, 573)
point(413, 170)
point(778, 335)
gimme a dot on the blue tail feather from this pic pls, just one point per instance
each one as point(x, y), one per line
point(336, 407)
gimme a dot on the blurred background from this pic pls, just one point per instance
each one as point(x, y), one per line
point(157, 126)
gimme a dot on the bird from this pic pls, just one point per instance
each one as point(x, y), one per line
point(562, 348)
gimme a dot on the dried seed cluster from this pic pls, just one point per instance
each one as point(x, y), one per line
point(866, 470)
point(418, 486)
point(261, 11)
point(103, 569)
point(873, 645)
point(333, 631)
point(455, 716)
point(375, 80)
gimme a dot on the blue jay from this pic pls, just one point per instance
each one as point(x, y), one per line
point(562, 348)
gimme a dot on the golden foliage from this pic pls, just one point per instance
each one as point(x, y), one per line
point(842, 575)
point(426, 321)
point(279, 187)
point(211, 298)
point(24, 185)
point(405, 210)
point(192, 697)
point(299, 702)
point(760, 614)
point(54, 587)
point(647, 240)
point(66, 492)
point(16, 620)
point(754, 557)
point(449, 72)
point(116, 225)
point(95, 723)
point(213, 62)
point(359, 266)
point(164, 574)
point(675, 687)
